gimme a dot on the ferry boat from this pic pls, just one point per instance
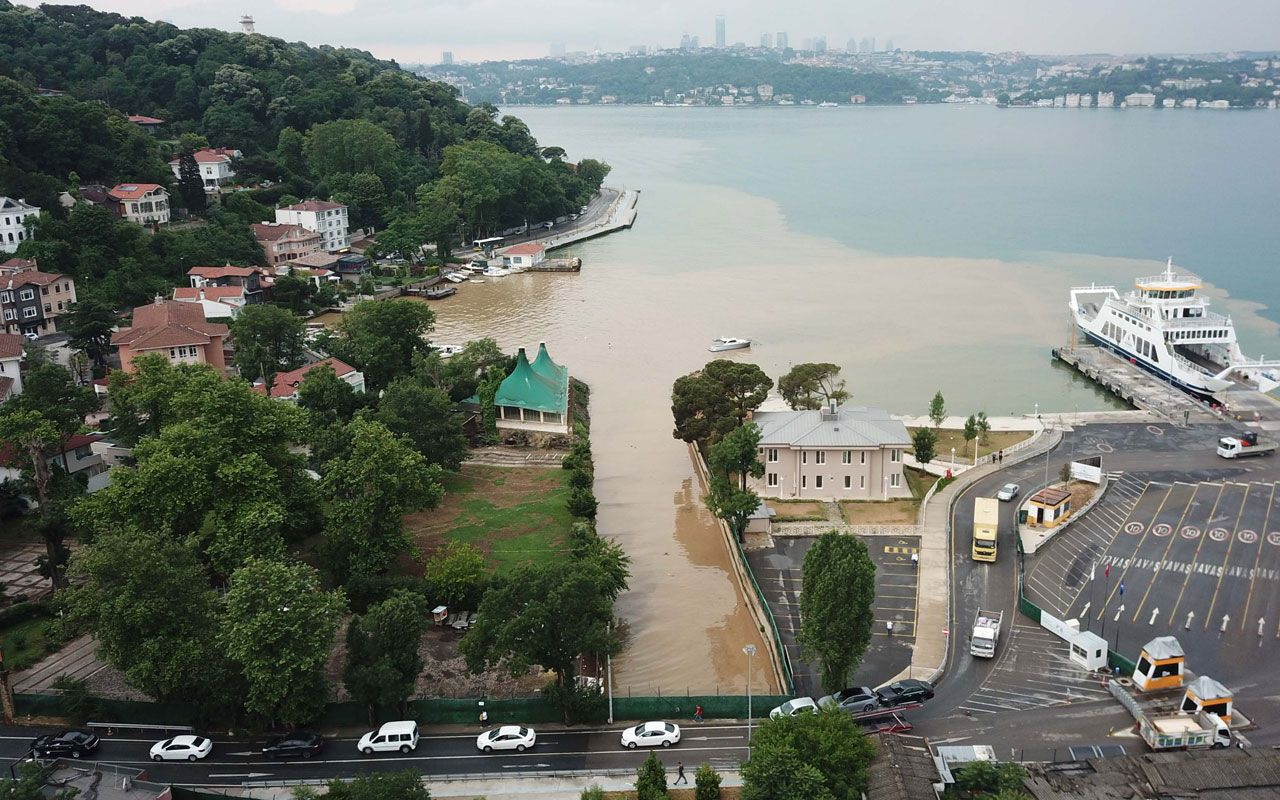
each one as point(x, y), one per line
point(1165, 326)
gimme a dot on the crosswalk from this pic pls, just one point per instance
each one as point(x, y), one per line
point(1033, 670)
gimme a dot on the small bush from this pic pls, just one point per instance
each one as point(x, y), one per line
point(581, 479)
point(592, 793)
point(583, 503)
point(706, 783)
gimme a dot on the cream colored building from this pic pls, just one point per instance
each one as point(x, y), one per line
point(836, 453)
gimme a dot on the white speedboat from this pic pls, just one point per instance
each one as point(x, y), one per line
point(447, 350)
point(728, 343)
point(1164, 326)
point(455, 277)
point(496, 272)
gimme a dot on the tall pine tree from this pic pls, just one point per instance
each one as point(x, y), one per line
point(190, 184)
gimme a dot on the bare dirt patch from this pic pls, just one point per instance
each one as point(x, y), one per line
point(880, 512)
point(791, 509)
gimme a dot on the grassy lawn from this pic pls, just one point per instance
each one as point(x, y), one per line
point(512, 515)
point(24, 643)
point(890, 512)
point(797, 511)
point(919, 481)
point(953, 437)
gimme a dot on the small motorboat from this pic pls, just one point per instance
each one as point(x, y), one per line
point(496, 272)
point(455, 277)
point(440, 292)
point(728, 343)
point(475, 280)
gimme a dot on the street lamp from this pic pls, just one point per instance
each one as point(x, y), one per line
point(750, 650)
point(953, 460)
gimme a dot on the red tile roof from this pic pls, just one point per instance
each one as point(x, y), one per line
point(9, 456)
point(168, 323)
point(134, 191)
point(11, 345)
point(527, 249)
point(313, 205)
point(225, 271)
point(286, 383)
point(18, 264)
point(211, 155)
point(139, 119)
point(192, 293)
point(34, 276)
point(275, 231)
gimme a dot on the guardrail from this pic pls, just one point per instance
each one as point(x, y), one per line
point(111, 727)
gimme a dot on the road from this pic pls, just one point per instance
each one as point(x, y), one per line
point(597, 213)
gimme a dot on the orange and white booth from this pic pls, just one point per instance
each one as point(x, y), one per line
point(1161, 665)
point(1207, 695)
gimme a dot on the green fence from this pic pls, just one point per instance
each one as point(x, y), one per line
point(768, 612)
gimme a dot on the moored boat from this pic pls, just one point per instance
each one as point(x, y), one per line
point(728, 343)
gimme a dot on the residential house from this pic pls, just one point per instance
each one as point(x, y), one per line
point(32, 301)
point(219, 303)
point(143, 203)
point(534, 397)
point(285, 386)
point(14, 215)
point(95, 195)
point(523, 256)
point(175, 330)
point(11, 354)
point(322, 216)
point(352, 268)
point(834, 453)
point(283, 242)
point(149, 124)
point(75, 456)
point(214, 164)
point(319, 268)
point(248, 278)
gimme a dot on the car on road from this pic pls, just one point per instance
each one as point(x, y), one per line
point(651, 734)
point(855, 699)
point(905, 691)
point(182, 748)
point(790, 708)
point(392, 736)
point(1008, 492)
point(65, 743)
point(299, 744)
point(508, 737)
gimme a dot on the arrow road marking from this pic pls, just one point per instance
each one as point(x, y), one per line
point(239, 774)
point(244, 753)
point(707, 738)
point(519, 766)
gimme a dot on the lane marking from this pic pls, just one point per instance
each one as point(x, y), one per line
point(1195, 557)
point(1137, 549)
point(1266, 523)
point(1165, 555)
point(1111, 540)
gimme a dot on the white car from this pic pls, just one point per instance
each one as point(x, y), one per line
point(1008, 492)
point(508, 737)
point(651, 734)
point(800, 705)
point(181, 748)
point(392, 736)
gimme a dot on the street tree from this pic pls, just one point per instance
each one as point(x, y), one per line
point(424, 416)
point(380, 338)
point(371, 487)
point(810, 386)
point(382, 652)
point(457, 573)
point(983, 426)
point(651, 779)
point(90, 324)
point(937, 409)
point(605, 554)
point(736, 455)
point(706, 782)
point(789, 752)
point(923, 443)
point(277, 627)
point(970, 428)
point(268, 340)
point(836, 606)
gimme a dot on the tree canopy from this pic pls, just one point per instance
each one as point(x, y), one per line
point(837, 599)
point(710, 403)
point(812, 386)
point(822, 755)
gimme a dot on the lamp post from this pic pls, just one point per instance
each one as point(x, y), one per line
point(750, 650)
point(953, 460)
point(1046, 462)
point(609, 676)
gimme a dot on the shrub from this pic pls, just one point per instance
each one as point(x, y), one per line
point(706, 783)
point(581, 479)
point(651, 779)
point(592, 793)
point(583, 503)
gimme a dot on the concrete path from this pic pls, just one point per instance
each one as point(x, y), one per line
point(19, 574)
point(79, 659)
point(498, 456)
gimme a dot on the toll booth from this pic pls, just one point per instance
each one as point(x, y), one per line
point(1161, 665)
point(1207, 695)
point(1048, 507)
point(1089, 650)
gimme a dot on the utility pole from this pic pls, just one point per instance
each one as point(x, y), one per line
point(608, 672)
point(750, 650)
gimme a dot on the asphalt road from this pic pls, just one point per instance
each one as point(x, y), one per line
point(596, 214)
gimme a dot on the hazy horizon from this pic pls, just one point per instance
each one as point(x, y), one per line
point(483, 30)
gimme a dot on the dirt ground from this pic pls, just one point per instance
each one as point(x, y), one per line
point(1081, 493)
point(872, 512)
point(797, 508)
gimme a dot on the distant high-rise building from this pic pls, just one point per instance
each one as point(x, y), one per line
point(446, 58)
point(766, 41)
point(865, 45)
point(695, 42)
point(557, 49)
point(781, 40)
point(820, 44)
point(852, 46)
point(888, 45)
point(686, 42)
point(720, 30)
point(873, 44)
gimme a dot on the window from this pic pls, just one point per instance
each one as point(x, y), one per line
point(804, 457)
point(771, 455)
point(848, 481)
point(846, 457)
point(8, 314)
point(820, 457)
point(44, 290)
point(804, 481)
point(26, 294)
point(862, 457)
point(6, 297)
point(817, 481)
point(862, 481)
point(895, 456)
point(895, 480)
point(771, 479)
point(29, 312)
point(47, 308)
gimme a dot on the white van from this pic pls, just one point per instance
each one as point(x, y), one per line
point(402, 736)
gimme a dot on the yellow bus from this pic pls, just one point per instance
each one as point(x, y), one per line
point(986, 525)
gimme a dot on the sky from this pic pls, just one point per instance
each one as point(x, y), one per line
point(421, 30)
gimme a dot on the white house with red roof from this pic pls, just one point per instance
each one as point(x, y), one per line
point(285, 386)
point(524, 256)
point(322, 216)
point(247, 278)
point(14, 215)
point(214, 164)
point(143, 203)
point(11, 354)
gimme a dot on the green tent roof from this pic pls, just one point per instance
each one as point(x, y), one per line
point(540, 386)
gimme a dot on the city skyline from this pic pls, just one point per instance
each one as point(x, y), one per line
point(395, 29)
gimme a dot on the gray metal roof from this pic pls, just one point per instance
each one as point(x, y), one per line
point(1163, 647)
point(849, 426)
point(1205, 687)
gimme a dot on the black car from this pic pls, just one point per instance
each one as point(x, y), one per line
point(906, 691)
point(294, 745)
point(65, 743)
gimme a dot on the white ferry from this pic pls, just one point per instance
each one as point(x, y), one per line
point(1165, 326)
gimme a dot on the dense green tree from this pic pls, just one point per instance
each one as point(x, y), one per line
point(277, 628)
point(380, 338)
point(426, 417)
point(937, 409)
point(970, 428)
point(268, 340)
point(327, 398)
point(348, 146)
point(788, 753)
point(294, 293)
point(923, 444)
point(457, 574)
point(651, 779)
point(812, 386)
point(90, 324)
point(983, 426)
point(406, 785)
point(837, 600)
point(737, 454)
point(190, 184)
point(710, 403)
point(382, 651)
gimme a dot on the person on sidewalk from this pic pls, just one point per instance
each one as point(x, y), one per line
point(697, 714)
point(680, 774)
point(888, 626)
point(915, 561)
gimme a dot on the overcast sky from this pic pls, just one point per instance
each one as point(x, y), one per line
point(420, 30)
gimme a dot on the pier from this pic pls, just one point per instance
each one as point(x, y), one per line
point(620, 216)
point(1134, 385)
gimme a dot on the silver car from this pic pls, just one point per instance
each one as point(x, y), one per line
point(1008, 492)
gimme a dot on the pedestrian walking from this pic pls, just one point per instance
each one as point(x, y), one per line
point(484, 717)
point(697, 714)
point(915, 560)
point(1000, 453)
point(888, 626)
point(680, 774)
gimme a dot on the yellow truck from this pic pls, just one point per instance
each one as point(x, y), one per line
point(986, 526)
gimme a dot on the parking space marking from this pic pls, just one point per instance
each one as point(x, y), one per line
point(1227, 558)
point(1266, 526)
point(1196, 556)
point(1165, 555)
point(906, 551)
point(1146, 529)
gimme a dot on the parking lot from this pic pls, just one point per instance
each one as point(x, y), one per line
point(1032, 670)
point(779, 570)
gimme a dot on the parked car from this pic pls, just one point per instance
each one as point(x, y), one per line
point(508, 737)
point(651, 734)
point(856, 699)
point(905, 691)
point(181, 748)
point(792, 707)
point(1008, 492)
point(65, 743)
point(300, 744)
point(392, 736)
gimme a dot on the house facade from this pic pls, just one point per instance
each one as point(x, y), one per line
point(32, 301)
point(178, 331)
point(13, 222)
point(834, 453)
point(11, 355)
point(249, 279)
point(143, 203)
point(214, 164)
point(149, 124)
point(325, 218)
point(75, 456)
point(524, 256)
point(285, 386)
point(284, 242)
